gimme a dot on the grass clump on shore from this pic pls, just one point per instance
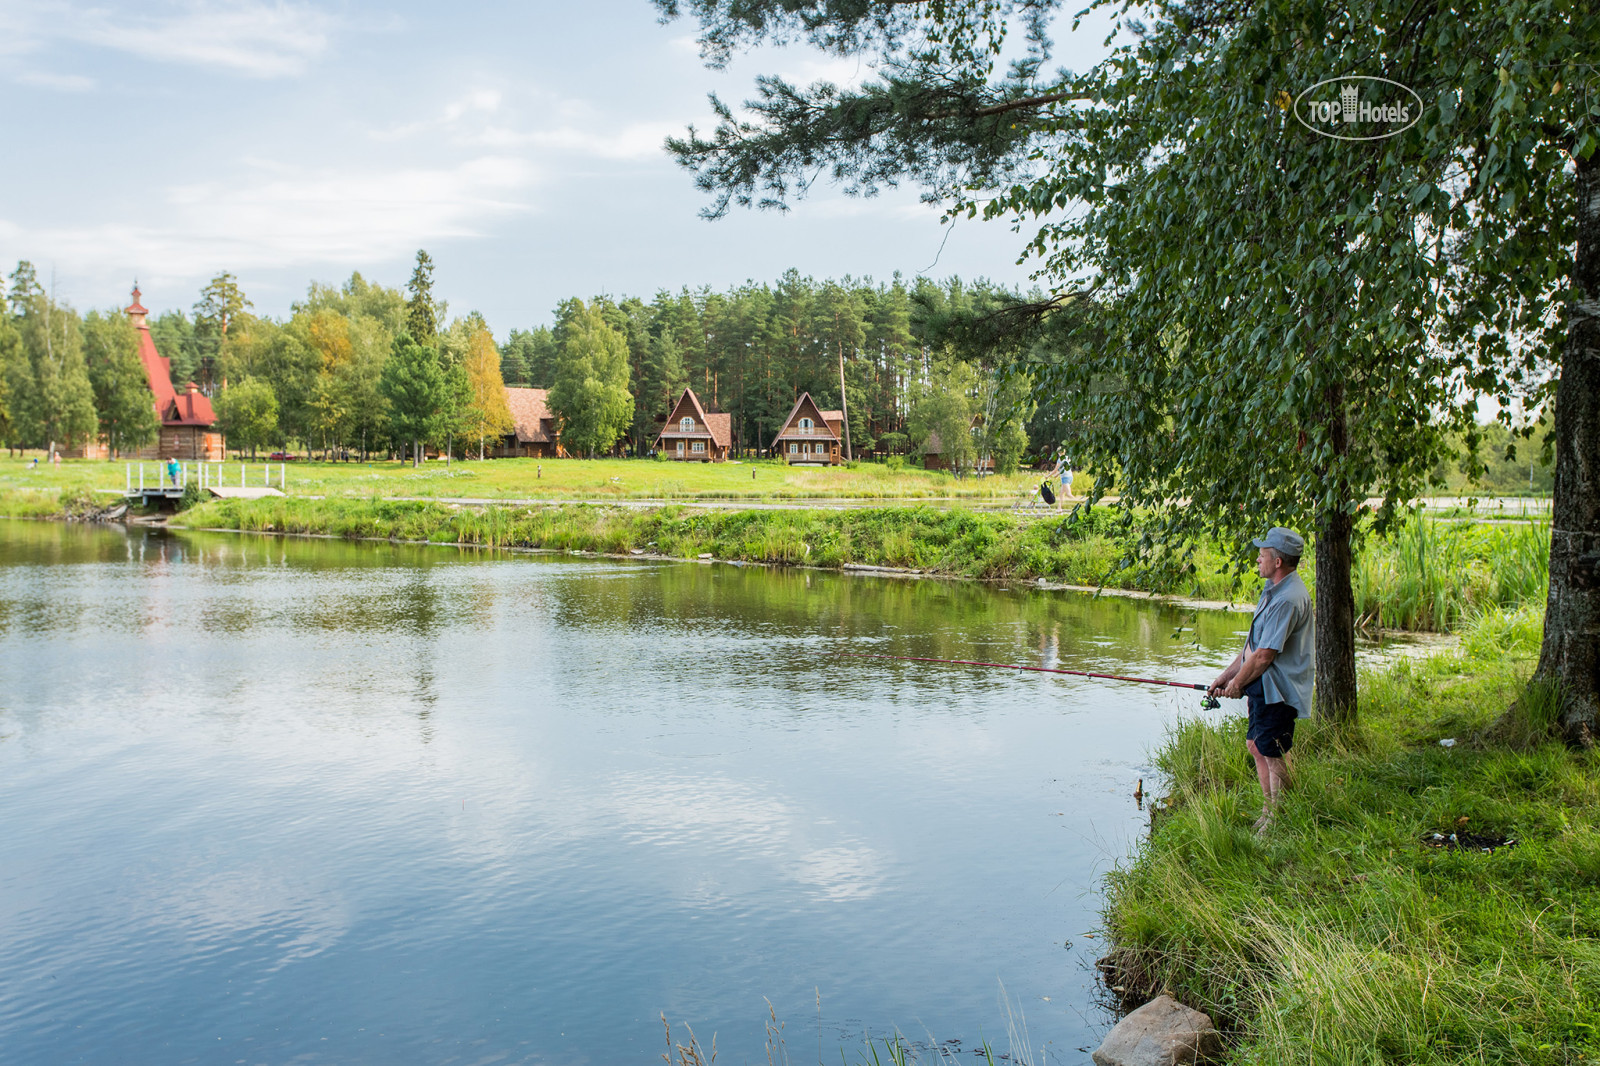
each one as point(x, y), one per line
point(951, 542)
point(1350, 933)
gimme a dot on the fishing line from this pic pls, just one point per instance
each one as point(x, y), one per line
point(1209, 703)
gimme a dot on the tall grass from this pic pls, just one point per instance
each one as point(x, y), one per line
point(926, 539)
point(1430, 575)
point(1341, 937)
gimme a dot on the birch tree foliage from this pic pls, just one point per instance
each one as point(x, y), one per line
point(1335, 306)
point(247, 414)
point(489, 415)
point(122, 399)
point(590, 394)
point(51, 399)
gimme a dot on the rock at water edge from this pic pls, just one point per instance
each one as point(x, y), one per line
point(1163, 1032)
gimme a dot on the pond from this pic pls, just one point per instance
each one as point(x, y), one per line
point(272, 800)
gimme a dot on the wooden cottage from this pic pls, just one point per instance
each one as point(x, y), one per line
point(810, 434)
point(693, 434)
point(535, 434)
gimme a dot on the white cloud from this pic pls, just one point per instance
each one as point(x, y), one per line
point(249, 37)
point(484, 118)
point(637, 140)
point(275, 215)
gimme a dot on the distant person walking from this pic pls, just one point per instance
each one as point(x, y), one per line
point(172, 472)
point(1274, 671)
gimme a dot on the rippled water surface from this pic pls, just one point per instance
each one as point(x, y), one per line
point(274, 801)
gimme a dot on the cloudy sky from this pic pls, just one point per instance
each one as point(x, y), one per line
point(519, 143)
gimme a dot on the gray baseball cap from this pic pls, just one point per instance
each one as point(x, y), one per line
point(1283, 541)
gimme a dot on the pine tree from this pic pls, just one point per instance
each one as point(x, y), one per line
point(220, 307)
point(414, 385)
point(422, 316)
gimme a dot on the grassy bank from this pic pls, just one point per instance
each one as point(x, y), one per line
point(1427, 576)
point(1349, 934)
point(957, 543)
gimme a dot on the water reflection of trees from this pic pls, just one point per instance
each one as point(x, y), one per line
point(838, 612)
point(365, 588)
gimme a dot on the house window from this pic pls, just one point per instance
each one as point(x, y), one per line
point(807, 426)
point(699, 445)
point(794, 449)
point(685, 425)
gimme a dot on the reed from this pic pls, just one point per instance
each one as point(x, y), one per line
point(1432, 575)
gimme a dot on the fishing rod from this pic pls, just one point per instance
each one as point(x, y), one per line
point(1210, 702)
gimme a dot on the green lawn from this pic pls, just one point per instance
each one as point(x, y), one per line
point(597, 479)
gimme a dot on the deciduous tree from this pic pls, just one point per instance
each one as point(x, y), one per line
point(247, 413)
point(488, 414)
point(590, 394)
point(51, 400)
point(122, 399)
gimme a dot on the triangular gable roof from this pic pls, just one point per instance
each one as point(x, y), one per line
point(529, 410)
point(719, 426)
point(823, 428)
point(189, 408)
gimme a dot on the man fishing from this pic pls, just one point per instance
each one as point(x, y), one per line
point(1273, 673)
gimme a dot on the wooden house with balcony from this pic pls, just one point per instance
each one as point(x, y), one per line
point(534, 433)
point(810, 434)
point(693, 434)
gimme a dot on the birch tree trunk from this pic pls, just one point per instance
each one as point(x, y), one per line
point(1570, 654)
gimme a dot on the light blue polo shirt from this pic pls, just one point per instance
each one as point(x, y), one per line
point(1284, 623)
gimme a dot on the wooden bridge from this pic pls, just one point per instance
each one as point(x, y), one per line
point(161, 483)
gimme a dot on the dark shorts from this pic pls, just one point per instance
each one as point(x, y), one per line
point(1271, 724)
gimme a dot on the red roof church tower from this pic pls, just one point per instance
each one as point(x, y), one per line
point(187, 422)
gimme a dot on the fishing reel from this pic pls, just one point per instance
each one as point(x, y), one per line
point(1210, 703)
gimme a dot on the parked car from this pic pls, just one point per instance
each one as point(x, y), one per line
point(282, 457)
